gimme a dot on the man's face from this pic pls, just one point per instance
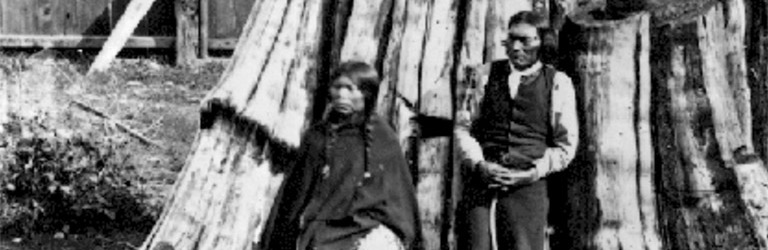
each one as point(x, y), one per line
point(522, 44)
point(346, 98)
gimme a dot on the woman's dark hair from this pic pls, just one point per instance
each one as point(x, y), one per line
point(367, 80)
point(364, 77)
point(547, 34)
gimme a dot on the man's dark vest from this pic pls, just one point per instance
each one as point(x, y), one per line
point(514, 132)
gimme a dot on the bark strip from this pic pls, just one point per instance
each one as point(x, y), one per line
point(698, 80)
point(250, 124)
point(611, 189)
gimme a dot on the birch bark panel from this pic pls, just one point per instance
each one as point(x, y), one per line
point(209, 211)
point(242, 206)
point(361, 33)
point(470, 56)
point(296, 109)
point(433, 165)
point(182, 219)
point(400, 83)
point(364, 32)
point(735, 24)
point(700, 208)
point(237, 84)
point(753, 180)
point(391, 104)
point(727, 125)
point(436, 68)
point(232, 163)
point(752, 176)
point(607, 57)
point(261, 20)
point(403, 73)
point(411, 48)
point(263, 106)
point(472, 73)
point(436, 100)
point(646, 172)
point(612, 93)
point(337, 31)
point(473, 38)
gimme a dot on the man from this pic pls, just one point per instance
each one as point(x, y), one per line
point(350, 188)
point(526, 129)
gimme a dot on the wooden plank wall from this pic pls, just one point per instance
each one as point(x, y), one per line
point(87, 23)
point(91, 17)
point(80, 23)
point(226, 21)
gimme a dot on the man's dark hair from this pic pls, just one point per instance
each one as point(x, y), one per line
point(547, 34)
point(528, 17)
point(364, 77)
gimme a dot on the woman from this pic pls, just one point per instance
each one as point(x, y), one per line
point(351, 187)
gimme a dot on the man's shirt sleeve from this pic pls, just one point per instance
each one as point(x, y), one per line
point(565, 128)
point(468, 111)
point(469, 148)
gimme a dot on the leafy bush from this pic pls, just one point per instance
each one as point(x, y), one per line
point(77, 183)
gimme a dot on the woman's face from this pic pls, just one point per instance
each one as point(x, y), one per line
point(346, 97)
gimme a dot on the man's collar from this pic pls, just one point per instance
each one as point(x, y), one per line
point(530, 70)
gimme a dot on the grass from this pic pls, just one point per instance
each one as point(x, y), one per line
point(159, 101)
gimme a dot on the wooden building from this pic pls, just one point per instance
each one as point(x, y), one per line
point(87, 24)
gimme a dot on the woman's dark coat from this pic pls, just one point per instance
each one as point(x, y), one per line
point(329, 200)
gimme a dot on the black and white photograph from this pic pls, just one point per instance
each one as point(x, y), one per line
point(383, 124)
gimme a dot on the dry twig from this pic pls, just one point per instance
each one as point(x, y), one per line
point(119, 125)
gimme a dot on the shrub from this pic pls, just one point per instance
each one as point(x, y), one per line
point(78, 183)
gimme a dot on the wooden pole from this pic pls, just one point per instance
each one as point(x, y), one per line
point(187, 31)
point(135, 11)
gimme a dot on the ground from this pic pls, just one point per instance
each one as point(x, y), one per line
point(49, 90)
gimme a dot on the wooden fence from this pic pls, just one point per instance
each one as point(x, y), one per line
point(87, 23)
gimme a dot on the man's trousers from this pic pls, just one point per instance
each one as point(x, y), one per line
point(521, 217)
